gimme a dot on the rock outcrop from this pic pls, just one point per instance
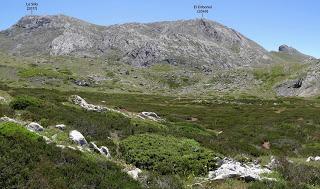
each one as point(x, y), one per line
point(8, 119)
point(78, 138)
point(233, 169)
point(287, 49)
point(294, 52)
point(83, 103)
point(311, 158)
point(149, 115)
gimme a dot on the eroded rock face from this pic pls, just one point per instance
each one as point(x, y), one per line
point(90, 107)
point(234, 169)
point(33, 126)
point(77, 137)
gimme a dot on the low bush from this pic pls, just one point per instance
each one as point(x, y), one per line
point(167, 154)
point(22, 102)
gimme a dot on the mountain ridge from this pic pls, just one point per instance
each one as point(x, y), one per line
point(196, 42)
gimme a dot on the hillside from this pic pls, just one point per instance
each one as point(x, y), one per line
point(198, 57)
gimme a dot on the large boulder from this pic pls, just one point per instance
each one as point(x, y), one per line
point(77, 137)
point(233, 169)
point(33, 126)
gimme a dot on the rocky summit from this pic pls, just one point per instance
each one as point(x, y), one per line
point(198, 42)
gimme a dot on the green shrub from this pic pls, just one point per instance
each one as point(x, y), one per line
point(22, 102)
point(167, 154)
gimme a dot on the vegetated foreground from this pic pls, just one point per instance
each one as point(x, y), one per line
point(177, 152)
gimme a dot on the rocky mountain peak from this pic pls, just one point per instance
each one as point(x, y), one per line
point(47, 21)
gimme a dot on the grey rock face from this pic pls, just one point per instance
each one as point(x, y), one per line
point(189, 42)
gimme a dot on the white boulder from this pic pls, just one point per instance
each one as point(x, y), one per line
point(60, 126)
point(77, 137)
point(311, 158)
point(231, 169)
point(134, 173)
point(33, 126)
point(150, 115)
point(102, 150)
